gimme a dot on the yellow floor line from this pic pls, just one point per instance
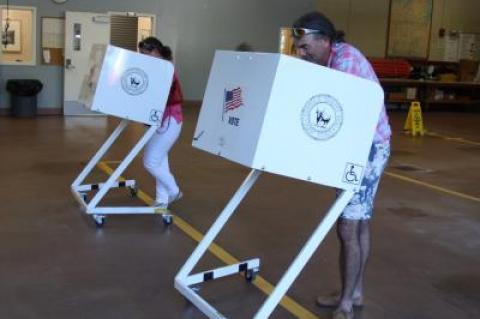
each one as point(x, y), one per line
point(288, 303)
point(111, 162)
point(454, 139)
point(435, 187)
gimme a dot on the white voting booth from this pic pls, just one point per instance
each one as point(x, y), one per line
point(133, 87)
point(279, 114)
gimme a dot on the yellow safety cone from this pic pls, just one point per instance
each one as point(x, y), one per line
point(414, 123)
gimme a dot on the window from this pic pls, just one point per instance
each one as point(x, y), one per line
point(18, 45)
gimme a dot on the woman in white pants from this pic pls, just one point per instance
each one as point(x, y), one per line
point(155, 158)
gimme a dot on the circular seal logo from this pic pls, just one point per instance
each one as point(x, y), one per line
point(322, 117)
point(134, 81)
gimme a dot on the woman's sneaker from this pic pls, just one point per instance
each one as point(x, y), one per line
point(176, 197)
point(158, 205)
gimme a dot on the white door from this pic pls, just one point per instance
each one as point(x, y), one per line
point(82, 31)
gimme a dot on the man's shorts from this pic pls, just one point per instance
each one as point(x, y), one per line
point(361, 205)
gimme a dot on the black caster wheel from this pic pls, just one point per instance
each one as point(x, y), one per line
point(99, 220)
point(250, 275)
point(167, 219)
point(133, 191)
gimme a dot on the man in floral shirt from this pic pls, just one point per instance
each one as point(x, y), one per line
point(316, 40)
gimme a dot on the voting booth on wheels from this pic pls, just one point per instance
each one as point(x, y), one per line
point(135, 88)
point(278, 114)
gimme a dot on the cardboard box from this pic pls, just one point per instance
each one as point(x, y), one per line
point(468, 70)
point(397, 96)
point(411, 93)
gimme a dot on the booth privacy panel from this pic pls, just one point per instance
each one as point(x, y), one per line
point(130, 85)
point(91, 76)
point(289, 117)
point(319, 124)
point(234, 104)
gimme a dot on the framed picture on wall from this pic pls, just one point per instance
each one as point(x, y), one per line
point(11, 36)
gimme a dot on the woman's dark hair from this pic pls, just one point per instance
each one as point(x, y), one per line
point(152, 43)
point(317, 21)
point(244, 47)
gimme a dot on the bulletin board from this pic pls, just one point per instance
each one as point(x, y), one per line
point(53, 40)
point(409, 27)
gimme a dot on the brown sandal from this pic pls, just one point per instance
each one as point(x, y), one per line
point(333, 300)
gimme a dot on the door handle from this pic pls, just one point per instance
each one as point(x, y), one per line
point(69, 65)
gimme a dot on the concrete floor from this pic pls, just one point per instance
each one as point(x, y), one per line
point(54, 262)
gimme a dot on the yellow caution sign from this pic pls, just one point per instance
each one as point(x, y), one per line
point(414, 123)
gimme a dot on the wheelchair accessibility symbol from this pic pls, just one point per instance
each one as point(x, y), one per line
point(155, 115)
point(353, 174)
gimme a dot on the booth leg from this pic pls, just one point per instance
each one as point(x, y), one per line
point(119, 170)
point(218, 224)
point(183, 281)
point(100, 153)
point(304, 256)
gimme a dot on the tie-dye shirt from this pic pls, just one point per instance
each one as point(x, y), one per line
point(346, 58)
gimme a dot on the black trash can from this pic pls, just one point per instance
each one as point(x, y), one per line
point(23, 97)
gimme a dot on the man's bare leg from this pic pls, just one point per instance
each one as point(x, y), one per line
point(350, 261)
point(364, 239)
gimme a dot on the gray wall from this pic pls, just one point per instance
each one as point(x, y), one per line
point(193, 28)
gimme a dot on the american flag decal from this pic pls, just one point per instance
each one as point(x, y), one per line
point(233, 99)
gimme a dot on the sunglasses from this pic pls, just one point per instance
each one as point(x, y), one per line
point(300, 32)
